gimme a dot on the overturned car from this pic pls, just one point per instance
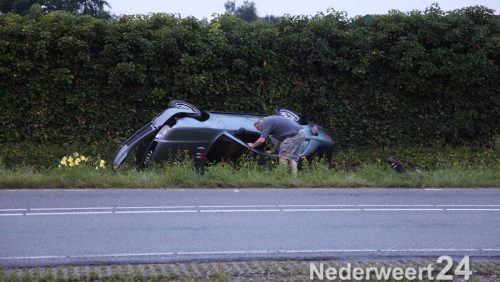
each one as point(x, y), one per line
point(182, 127)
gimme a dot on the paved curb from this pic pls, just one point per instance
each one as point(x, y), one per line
point(290, 270)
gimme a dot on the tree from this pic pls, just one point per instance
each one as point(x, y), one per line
point(94, 8)
point(230, 7)
point(56, 5)
point(84, 7)
point(16, 6)
point(247, 11)
point(271, 19)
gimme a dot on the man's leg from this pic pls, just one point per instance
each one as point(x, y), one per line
point(292, 163)
point(283, 160)
point(293, 166)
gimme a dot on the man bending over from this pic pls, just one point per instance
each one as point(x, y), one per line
point(289, 135)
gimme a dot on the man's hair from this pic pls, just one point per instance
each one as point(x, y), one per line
point(258, 122)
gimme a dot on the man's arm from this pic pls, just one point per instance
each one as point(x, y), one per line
point(257, 143)
point(276, 147)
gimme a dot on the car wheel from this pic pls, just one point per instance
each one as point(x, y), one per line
point(144, 154)
point(289, 114)
point(196, 113)
point(148, 159)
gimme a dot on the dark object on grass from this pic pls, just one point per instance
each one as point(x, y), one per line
point(182, 128)
point(199, 160)
point(396, 164)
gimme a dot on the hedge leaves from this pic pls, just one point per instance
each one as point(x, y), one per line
point(395, 79)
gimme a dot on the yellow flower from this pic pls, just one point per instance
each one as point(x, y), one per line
point(71, 164)
point(102, 163)
point(70, 159)
point(75, 154)
point(65, 158)
point(63, 162)
point(83, 158)
point(77, 161)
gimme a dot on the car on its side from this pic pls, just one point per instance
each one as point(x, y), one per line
point(182, 127)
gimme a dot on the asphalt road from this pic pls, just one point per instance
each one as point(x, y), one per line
point(45, 227)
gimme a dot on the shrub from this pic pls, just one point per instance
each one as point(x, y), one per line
point(399, 79)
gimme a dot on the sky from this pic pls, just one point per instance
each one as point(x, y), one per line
point(207, 8)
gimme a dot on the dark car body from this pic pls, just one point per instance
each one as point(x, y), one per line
point(183, 128)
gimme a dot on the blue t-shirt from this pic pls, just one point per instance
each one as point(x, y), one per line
point(279, 127)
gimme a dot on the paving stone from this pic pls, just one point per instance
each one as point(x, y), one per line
point(292, 270)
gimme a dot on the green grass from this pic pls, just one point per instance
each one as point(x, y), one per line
point(247, 174)
point(35, 166)
point(424, 157)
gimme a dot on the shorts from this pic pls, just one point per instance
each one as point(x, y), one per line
point(291, 147)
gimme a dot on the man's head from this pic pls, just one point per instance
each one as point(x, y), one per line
point(258, 124)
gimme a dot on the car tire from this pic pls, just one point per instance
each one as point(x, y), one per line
point(289, 114)
point(195, 112)
point(144, 153)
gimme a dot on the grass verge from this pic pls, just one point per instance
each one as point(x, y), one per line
point(32, 166)
point(246, 175)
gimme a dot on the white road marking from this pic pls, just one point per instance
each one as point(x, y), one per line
point(28, 190)
point(468, 205)
point(319, 210)
point(170, 211)
point(123, 255)
point(473, 209)
point(403, 209)
point(248, 208)
point(250, 252)
point(395, 205)
point(432, 250)
point(224, 252)
point(52, 190)
point(239, 206)
point(87, 256)
point(11, 210)
point(35, 257)
point(221, 211)
point(164, 207)
point(69, 209)
point(68, 213)
point(290, 206)
point(76, 190)
point(330, 251)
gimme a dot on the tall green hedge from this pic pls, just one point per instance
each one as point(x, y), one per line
point(395, 79)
